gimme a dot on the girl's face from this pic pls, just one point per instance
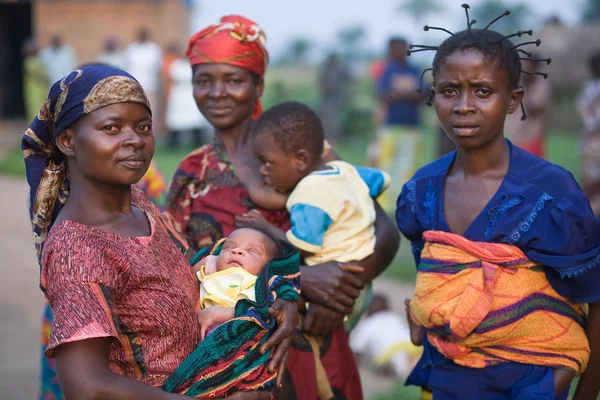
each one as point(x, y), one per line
point(225, 94)
point(112, 145)
point(472, 98)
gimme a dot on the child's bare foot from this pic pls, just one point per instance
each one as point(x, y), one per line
point(416, 331)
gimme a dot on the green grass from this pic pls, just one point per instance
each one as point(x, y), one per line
point(397, 392)
point(12, 163)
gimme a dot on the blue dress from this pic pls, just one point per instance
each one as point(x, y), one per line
point(540, 208)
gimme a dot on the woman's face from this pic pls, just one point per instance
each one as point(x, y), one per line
point(225, 94)
point(472, 98)
point(112, 145)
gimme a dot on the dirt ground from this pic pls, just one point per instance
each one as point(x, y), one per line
point(20, 297)
point(21, 300)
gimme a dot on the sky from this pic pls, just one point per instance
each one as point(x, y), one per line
point(320, 20)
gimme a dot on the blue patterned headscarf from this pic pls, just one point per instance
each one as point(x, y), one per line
point(76, 95)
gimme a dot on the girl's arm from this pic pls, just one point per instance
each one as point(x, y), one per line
point(84, 373)
point(589, 383)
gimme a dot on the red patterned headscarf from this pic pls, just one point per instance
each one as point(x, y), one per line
point(234, 41)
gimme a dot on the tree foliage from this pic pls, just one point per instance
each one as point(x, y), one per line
point(418, 9)
point(519, 18)
point(591, 10)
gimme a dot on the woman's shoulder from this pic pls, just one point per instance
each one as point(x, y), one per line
point(195, 161)
point(434, 168)
point(541, 175)
point(70, 240)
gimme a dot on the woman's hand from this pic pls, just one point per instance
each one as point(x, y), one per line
point(334, 285)
point(320, 320)
point(286, 315)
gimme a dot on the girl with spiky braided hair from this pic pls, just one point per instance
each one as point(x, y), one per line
point(507, 246)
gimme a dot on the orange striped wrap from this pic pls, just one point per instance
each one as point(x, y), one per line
point(487, 303)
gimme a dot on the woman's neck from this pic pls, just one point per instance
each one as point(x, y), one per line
point(493, 156)
point(232, 139)
point(91, 201)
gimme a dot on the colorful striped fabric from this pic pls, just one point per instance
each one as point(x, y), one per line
point(486, 303)
point(229, 358)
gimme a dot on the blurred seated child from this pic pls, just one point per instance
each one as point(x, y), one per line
point(331, 206)
point(231, 276)
point(383, 340)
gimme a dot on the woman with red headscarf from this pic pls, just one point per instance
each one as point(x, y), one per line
point(208, 191)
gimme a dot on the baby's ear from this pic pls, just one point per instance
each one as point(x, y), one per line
point(302, 159)
point(516, 97)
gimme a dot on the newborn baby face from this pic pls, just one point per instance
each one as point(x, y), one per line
point(245, 248)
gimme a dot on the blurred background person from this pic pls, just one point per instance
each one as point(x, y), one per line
point(382, 340)
point(530, 134)
point(400, 141)
point(58, 58)
point(35, 79)
point(111, 54)
point(588, 105)
point(333, 80)
point(182, 115)
point(143, 59)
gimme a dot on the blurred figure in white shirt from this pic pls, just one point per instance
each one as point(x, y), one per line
point(111, 54)
point(143, 59)
point(58, 58)
point(382, 340)
point(182, 114)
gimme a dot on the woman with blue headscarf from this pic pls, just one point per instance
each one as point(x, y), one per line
point(123, 297)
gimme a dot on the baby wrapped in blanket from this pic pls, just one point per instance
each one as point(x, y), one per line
point(241, 276)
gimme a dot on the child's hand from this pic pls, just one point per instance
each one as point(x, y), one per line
point(252, 219)
point(211, 316)
point(210, 263)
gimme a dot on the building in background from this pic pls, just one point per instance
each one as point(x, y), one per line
point(84, 25)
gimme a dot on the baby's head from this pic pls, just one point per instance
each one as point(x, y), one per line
point(247, 248)
point(476, 75)
point(288, 141)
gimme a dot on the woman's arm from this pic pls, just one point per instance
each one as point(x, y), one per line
point(387, 236)
point(386, 246)
point(84, 374)
point(589, 384)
